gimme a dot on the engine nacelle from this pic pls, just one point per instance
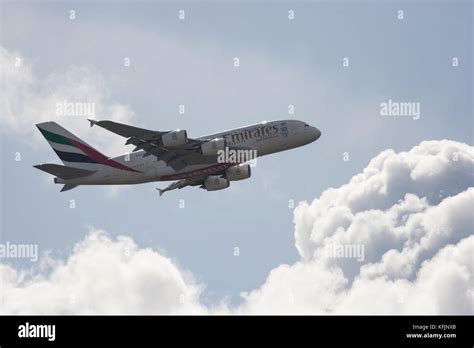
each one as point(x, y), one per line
point(211, 148)
point(175, 138)
point(239, 172)
point(214, 183)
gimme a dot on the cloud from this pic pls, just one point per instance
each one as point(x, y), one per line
point(102, 276)
point(28, 99)
point(390, 189)
point(410, 214)
point(441, 284)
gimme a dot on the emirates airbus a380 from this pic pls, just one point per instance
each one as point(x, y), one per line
point(170, 155)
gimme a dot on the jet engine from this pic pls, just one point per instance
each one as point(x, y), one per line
point(214, 183)
point(175, 138)
point(239, 172)
point(211, 148)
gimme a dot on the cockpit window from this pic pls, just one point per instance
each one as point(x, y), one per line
point(306, 125)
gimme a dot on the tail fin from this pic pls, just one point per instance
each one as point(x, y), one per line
point(70, 149)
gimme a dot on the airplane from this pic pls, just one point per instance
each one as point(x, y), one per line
point(170, 155)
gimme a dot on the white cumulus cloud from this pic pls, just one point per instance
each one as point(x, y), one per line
point(101, 276)
point(411, 215)
point(27, 99)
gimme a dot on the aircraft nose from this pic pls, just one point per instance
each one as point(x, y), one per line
point(317, 133)
point(311, 133)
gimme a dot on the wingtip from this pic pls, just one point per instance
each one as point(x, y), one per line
point(160, 191)
point(92, 121)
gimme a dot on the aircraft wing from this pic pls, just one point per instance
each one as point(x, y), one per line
point(194, 181)
point(183, 183)
point(151, 142)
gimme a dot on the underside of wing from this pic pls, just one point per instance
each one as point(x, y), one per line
point(216, 180)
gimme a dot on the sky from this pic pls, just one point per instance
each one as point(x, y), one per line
point(282, 219)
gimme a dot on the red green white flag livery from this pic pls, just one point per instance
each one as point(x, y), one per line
point(72, 150)
point(169, 155)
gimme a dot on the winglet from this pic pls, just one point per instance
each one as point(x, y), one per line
point(161, 191)
point(68, 187)
point(93, 122)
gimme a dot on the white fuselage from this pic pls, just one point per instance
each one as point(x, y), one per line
point(266, 138)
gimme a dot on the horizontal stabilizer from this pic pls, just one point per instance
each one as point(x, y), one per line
point(64, 172)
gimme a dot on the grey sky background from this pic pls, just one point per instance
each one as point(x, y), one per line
point(189, 62)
